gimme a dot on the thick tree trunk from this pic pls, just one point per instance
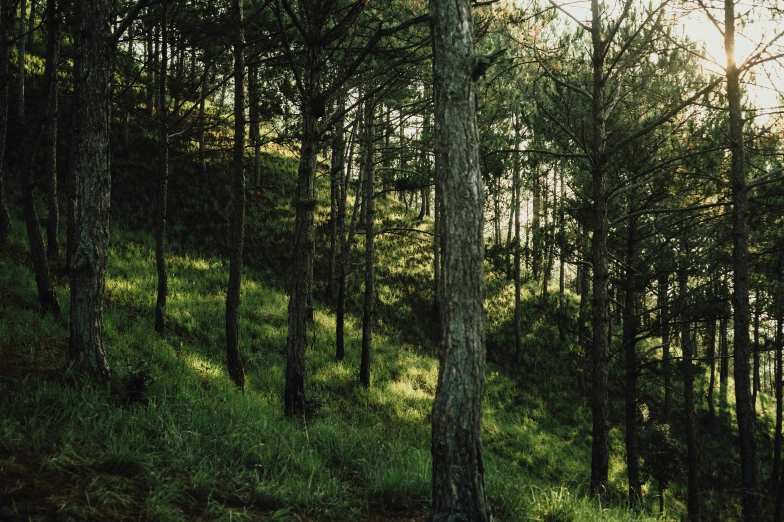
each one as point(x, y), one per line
point(600, 450)
point(50, 130)
point(370, 213)
point(6, 20)
point(233, 359)
point(458, 466)
point(750, 498)
point(304, 243)
point(163, 180)
point(86, 352)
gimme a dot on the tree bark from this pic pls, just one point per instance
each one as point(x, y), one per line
point(86, 353)
point(304, 241)
point(516, 213)
point(370, 213)
point(600, 450)
point(779, 391)
point(712, 363)
point(630, 328)
point(163, 180)
point(20, 75)
point(724, 367)
point(233, 359)
point(338, 154)
point(688, 393)
point(6, 21)
point(253, 113)
point(458, 466)
point(50, 131)
point(750, 498)
point(664, 304)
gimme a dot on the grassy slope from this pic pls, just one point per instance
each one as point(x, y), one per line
point(201, 450)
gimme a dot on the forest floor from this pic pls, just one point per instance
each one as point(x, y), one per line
point(194, 448)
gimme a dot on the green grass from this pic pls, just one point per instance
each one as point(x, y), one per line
point(202, 450)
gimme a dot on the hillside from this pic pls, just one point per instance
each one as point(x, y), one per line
point(190, 446)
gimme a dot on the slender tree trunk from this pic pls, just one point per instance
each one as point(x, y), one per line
point(724, 367)
point(336, 179)
point(46, 294)
point(150, 66)
point(253, 113)
point(750, 498)
point(630, 328)
point(664, 304)
point(516, 213)
point(437, 241)
point(562, 265)
point(6, 21)
point(50, 131)
point(777, 435)
point(203, 123)
point(233, 358)
point(600, 451)
point(163, 180)
point(688, 393)
point(370, 213)
point(458, 466)
point(20, 75)
point(756, 379)
point(583, 332)
point(304, 242)
point(86, 352)
point(345, 249)
point(779, 484)
point(712, 362)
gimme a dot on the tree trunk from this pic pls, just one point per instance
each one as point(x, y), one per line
point(50, 131)
point(630, 328)
point(233, 359)
point(163, 180)
point(345, 248)
point(370, 213)
point(750, 498)
point(336, 179)
point(516, 213)
point(756, 379)
point(20, 75)
point(712, 363)
point(46, 294)
point(304, 242)
point(253, 113)
point(6, 21)
point(664, 305)
point(688, 393)
point(724, 367)
point(458, 466)
point(600, 451)
point(72, 218)
point(86, 352)
point(777, 436)
point(437, 242)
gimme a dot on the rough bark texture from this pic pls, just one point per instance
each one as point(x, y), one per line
point(304, 242)
point(86, 352)
point(370, 215)
point(50, 130)
point(600, 449)
point(234, 361)
point(6, 17)
point(163, 181)
point(750, 499)
point(458, 466)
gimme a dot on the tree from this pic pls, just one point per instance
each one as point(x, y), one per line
point(370, 214)
point(458, 466)
point(96, 42)
point(234, 362)
point(6, 19)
